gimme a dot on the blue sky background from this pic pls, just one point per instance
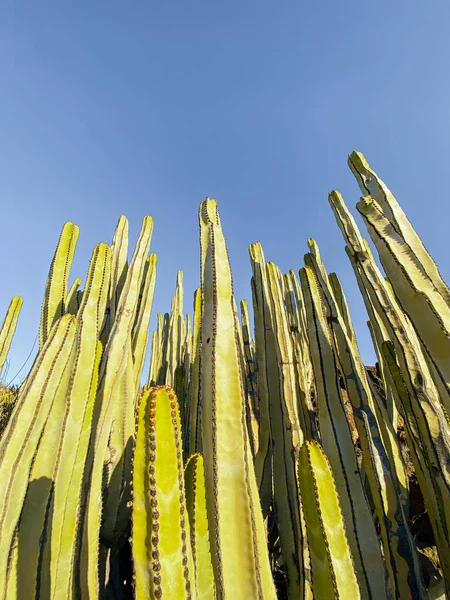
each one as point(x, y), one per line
point(136, 108)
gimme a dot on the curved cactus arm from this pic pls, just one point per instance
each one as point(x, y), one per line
point(372, 185)
point(332, 566)
point(114, 363)
point(47, 383)
point(8, 328)
point(417, 295)
point(267, 377)
point(400, 555)
point(337, 443)
point(194, 476)
point(53, 306)
point(193, 417)
point(140, 331)
point(71, 303)
point(162, 555)
point(230, 478)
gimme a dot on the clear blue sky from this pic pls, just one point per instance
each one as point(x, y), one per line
point(136, 108)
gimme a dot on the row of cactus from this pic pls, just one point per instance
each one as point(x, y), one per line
point(246, 454)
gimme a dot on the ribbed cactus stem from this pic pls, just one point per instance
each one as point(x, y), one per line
point(162, 553)
point(332, 566)
point(54, 304)
point(8, 328)
point(46, 385)
point(239, 552)
point(194, 476)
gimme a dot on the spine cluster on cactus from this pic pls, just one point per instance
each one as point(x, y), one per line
point(255, 463)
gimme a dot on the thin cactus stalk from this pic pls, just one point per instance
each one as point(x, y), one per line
point(337, 443)
point(290, 428)
point(301, 360)
point(55, 299)
point(400, 554)
point(194, 476)
point(156, 354)
point(252, 413)
point(8, 328)
point(72, 304)
point(119, 268)
point(162, 555)
point(140, 330)
point(175, 333)
point(267, 374)
point(114, 364)
point(239, 552)
point(193, 416)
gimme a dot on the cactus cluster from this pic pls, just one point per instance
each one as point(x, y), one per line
point(254, 463)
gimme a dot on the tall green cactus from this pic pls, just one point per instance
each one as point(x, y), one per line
point(338, 445)
point(230, 478)
point(400, 555)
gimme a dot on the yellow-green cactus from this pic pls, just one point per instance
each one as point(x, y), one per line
point(332, 566)
point(194, 475)
point(162, 555)
point(238, 546)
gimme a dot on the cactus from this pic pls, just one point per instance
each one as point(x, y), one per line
point(332, 567)
point(386, 492)
point(230, 478)
point(46, 386)
point(294, 482)
point(56, 296)
point(338, 445)
point(8, 328)
point(194, 475)
point(162, 553)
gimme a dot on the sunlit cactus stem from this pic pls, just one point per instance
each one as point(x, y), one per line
point(162, 555)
